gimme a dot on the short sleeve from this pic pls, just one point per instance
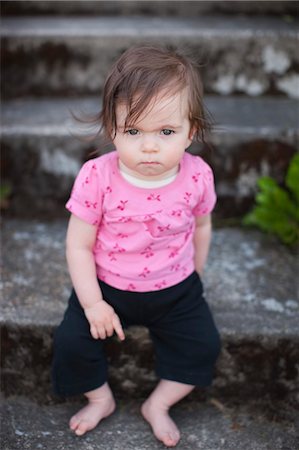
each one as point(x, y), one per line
point(208, 196)
point(85, 201)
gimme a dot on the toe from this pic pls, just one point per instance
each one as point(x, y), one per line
point(74, 422)
point(171, 439)
point(168, 442)
point(82, 428)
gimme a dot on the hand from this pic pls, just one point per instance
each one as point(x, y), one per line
point(103, 321)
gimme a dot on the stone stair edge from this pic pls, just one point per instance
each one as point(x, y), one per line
point(68, 49)
point(252, 310)
point(45, 329)
point(208, 26)
point(53, 115)
point(148, 7)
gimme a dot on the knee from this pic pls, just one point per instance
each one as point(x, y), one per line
point(207, 348)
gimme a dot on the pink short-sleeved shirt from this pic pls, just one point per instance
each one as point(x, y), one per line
point(144, 235)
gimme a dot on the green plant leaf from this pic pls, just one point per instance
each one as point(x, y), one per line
point(292, 178)
point(276, 210)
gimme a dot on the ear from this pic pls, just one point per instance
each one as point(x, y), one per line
point(191, 135)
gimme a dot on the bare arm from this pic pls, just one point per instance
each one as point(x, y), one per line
point(79, 252)
point(202, 240)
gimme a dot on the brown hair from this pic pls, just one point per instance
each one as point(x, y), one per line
point(143, 72)
point(140, 74)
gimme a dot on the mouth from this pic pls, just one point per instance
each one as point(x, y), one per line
point(150, 163)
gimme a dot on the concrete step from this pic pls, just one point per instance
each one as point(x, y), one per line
point(252, 137)
point(71, 55)
point(208, 425)
point(251, 286)
point(145, 7)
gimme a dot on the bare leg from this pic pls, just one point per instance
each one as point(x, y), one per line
point(155, 410)
point(100, 405)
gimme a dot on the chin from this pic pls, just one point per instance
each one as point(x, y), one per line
point(151, 172)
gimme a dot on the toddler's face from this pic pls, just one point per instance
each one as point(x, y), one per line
point(153, 146)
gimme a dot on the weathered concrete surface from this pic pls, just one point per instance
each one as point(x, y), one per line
point(247, 274)
point(72, 55)
point(161, 8)
point(27, 425)
point(41, 154)
point(251, 285)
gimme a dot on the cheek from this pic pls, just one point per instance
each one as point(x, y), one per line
point(121, 146)
point(126, 155)
point(176, 154)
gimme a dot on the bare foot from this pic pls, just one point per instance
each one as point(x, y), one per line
point(100, 405)
point(162, 425)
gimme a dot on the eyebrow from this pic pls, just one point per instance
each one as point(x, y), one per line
point(162, 127)
point(171, 126)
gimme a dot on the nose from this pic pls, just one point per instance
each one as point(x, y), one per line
point(149, 144)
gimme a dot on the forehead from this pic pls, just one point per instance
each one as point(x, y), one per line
point(163, 109)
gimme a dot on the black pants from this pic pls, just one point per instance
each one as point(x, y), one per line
point(185, 339)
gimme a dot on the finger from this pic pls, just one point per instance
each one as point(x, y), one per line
point(101, 332)
point(118, 328)
point(109, 330)
point(93, 332)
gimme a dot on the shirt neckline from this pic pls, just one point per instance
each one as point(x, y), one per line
point(148, 184)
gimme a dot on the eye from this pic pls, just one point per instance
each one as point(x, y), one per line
point(167, 132)
point(132, 132)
